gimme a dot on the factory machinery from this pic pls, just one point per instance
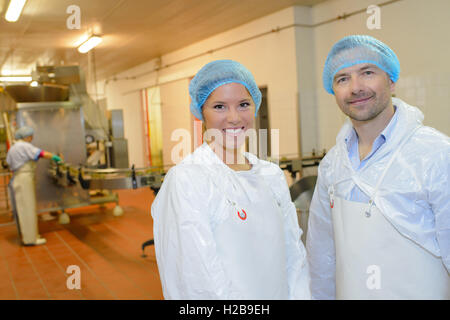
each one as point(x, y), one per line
point(66, 121)
point(66, 175)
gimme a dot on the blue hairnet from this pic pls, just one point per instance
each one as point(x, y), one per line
point(358, 49)
point(23, 132)
point(218, 73)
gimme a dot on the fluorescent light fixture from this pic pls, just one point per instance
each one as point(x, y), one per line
point(14, 10)
point(89, 44)
point(16, 78)
point(34, 84)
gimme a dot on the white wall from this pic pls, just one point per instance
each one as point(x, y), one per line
point(306, 79)
point(175, 114)
point(133, 119)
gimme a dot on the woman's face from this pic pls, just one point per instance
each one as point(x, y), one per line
point(230, 110)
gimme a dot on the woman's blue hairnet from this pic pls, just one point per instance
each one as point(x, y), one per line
point(23, 132)
point(215, 74)
point(358, 49)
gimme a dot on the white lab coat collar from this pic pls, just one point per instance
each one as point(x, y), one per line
point(222, 175)
point(204, 155)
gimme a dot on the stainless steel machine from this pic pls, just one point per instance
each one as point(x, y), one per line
point(59, 129)
point(66, 121)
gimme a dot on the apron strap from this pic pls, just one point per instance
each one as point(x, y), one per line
point(391, 160)
point(331, 188)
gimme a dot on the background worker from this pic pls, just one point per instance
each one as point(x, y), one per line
point(21, 158)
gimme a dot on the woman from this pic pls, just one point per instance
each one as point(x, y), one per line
point(21, 159)
point(224, 223)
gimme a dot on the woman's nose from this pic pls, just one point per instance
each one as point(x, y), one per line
point(233, 115)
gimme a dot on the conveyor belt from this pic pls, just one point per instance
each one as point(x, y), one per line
point(66, 175)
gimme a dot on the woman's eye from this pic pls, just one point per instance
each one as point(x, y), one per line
point(244, 105)
point(219, 107)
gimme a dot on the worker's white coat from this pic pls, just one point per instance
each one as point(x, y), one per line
point(224, 234)
point(414, 195)
point(21, 159)
point(20, 153)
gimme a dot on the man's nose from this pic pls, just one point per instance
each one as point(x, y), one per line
point(356, 84)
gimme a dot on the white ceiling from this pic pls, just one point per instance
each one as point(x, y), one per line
point(134, 31)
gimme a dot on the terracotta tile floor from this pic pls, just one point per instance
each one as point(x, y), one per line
point(106, 249)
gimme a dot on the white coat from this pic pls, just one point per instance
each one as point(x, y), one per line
point(22, 158)
point(225, 234)
point(414, 196)
point(20, 153)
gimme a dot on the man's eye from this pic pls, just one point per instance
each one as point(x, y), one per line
point(340, 80)
point(368, 72)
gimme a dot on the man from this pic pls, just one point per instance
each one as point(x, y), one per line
point(379, 225)
point(21, 159)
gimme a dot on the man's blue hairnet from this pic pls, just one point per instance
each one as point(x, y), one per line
point(23, 132)
point(218, 73)
point(357, 49)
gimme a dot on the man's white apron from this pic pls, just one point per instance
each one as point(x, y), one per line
point(375, 261)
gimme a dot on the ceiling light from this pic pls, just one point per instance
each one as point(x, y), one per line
point(14, 10)
point(89, 44)
point(15, 78)
point(34, 84)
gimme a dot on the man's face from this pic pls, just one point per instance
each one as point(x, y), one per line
point(363, 91)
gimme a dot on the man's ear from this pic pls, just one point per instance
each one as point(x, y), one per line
point(392, 86)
